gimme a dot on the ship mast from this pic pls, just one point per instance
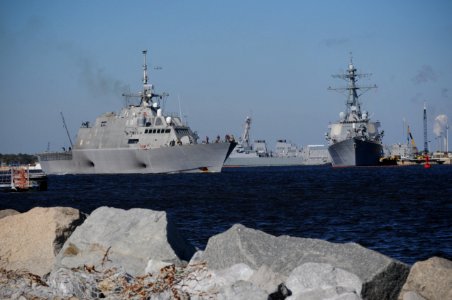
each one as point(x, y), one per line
point(352, 104)
point(148, 92)
point(145, 69)
point(148, 89)
point(246, 131)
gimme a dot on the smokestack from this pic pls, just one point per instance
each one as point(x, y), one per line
point(447, 138)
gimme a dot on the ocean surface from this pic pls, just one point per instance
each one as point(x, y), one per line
point(403, 212)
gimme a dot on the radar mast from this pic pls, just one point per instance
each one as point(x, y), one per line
point(145, 68)
point(246, 132)
point(148, 89)
point(353, 104)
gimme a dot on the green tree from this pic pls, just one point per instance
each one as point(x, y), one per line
point(21, 159)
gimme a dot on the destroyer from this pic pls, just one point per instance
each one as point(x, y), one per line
point(140, 139)
point(354, 140)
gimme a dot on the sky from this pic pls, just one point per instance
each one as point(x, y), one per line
point(221, 61)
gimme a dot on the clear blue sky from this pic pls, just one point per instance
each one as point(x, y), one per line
point(223, 60)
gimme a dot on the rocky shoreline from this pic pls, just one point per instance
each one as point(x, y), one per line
point(60, 253)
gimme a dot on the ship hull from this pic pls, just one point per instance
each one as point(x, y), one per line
point(355, 152)
point(235, 162)
point(191, 158)
point(232, 162)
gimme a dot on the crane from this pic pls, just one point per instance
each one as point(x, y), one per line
point(67, 131)
point(413, 143)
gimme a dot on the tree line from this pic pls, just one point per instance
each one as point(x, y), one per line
point(21, 159)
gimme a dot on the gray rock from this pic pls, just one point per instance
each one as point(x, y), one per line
point(112, 237)
point(196, 258)
point(31, 240)
point(242, 290)
point(430, 279)
point(382, 277)
point(412, 296)
point(319, 281)
point(235, 273)
point(67, 283)
point(266, 279)
point(201, 281)
point(166, 295)
point(329, 293)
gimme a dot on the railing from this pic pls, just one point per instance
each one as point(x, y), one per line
point(18, 178)
point(49, 156)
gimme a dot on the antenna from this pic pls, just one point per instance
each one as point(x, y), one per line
point(351, 76)
point(67, 131)
point(145, 68)
point(180, 109)
point(148, 90)
point(403, 131)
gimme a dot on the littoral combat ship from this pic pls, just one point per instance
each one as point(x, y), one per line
point(140, 139)
point(354, 140)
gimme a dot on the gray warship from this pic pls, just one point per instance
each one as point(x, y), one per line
point(140, 139)
point(256, 154)
point(354, 140)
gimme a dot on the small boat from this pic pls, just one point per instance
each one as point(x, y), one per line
point(22, 178)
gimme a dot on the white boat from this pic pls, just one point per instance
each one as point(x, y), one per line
point(22, 178)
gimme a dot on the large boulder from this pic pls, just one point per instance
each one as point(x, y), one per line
point(266, 279)
point(321, 281)
point(241, 290)
point(112, 237)
point(8, 212)
point(381, 276)
point(31, 240)
point(231, 283)
point(430, 279)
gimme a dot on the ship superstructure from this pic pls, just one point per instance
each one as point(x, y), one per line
point(139, 139)
point(257, 154)
point(354, 140)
